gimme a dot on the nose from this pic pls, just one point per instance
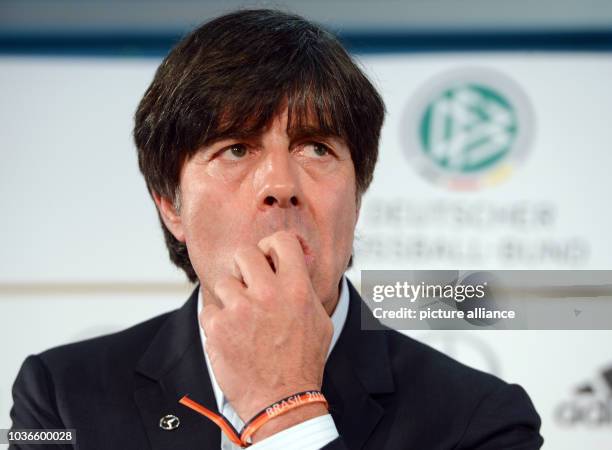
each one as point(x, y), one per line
point(279, 184)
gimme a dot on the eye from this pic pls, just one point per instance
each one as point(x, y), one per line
point(234, 152)
point(316, 149)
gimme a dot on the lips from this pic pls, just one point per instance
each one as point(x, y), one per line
point(308, 256)
point(302, 241)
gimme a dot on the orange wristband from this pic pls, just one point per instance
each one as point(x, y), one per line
point(280, 407)
point(275, 409)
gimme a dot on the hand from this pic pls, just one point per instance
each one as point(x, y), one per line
point(270, 337)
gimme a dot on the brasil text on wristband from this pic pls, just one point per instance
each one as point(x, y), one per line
point(242, 438)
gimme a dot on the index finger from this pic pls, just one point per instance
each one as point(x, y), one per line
point(286, 252)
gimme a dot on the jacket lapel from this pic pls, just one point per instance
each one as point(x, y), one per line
point(171, 367)
point(350, 377)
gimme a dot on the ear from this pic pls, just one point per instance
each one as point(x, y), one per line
point(170, 216)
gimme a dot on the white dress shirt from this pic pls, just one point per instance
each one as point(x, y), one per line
point(309, 435)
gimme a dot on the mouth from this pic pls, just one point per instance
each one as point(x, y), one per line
point(308, 256)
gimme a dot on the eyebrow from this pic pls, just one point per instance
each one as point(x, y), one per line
point(231, 135)
point(305, 132)
point(295, 134)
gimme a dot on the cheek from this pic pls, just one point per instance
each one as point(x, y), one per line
point(336, 218)
point(341, 217)
point(197, 213)
point(208, 198)
point(211, 222)
point(345, 226)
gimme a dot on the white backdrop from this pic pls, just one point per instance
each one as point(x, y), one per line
point(82, 252)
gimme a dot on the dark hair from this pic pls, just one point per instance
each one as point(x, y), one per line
point(234, 74)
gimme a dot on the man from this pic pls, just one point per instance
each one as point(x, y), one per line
point(257, 138)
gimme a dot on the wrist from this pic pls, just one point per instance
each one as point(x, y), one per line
point(289, 419)
point(254, 404)
point(285, 413)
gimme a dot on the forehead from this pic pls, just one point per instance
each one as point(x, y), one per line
point(299, 114)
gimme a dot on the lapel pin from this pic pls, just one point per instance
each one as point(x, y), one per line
point(169, 422)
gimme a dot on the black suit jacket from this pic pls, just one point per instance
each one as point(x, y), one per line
point(385, 391)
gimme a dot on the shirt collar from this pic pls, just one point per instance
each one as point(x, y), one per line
point(338, 318)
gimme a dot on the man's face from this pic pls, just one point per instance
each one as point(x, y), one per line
point(235, 192)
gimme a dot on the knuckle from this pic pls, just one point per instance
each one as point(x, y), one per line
point(241, 253)
point(301, 293)
point(265, 292)
point(247, 253)
point(221, 287)
point(240, 312)
point(211, 326)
